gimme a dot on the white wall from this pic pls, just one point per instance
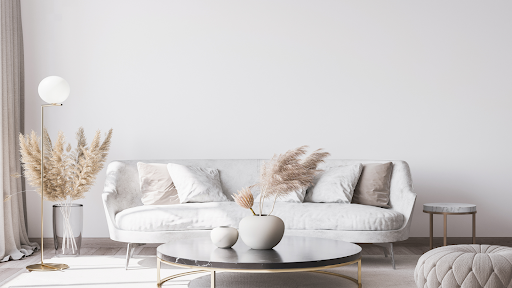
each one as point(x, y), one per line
point(429, 83)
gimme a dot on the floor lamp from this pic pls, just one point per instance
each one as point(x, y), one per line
point(53, 90)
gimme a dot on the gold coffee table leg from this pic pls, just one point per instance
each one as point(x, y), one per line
point(162, 281)
point(356, 281)
point(213, 271)
point(360, 284)
point(158, 264)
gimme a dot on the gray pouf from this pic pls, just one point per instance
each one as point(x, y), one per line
point(465, 266)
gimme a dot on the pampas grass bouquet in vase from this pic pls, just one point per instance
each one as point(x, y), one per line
point(68, 175)
point(282, 175)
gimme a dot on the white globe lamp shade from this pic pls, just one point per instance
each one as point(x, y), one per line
point(53, 89)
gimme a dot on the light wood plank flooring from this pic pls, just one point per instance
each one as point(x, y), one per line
point(105, 246)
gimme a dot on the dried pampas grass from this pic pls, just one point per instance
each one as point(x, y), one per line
point(68, 175)
point(244, 199)
point(287, 173)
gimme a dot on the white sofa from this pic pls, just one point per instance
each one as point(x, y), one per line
point(131, 222)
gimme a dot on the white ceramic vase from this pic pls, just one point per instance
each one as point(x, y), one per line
point(261, 232)
point(224, 236)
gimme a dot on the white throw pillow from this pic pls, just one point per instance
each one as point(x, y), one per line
point(196, 184)
point(156, 184)
point(335, 185)
point(294, 197)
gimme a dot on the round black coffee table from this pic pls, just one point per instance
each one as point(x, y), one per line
point(292, 254)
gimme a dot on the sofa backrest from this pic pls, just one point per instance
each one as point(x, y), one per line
point(123, 179)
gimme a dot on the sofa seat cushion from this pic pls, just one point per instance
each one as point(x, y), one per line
point(296, 216)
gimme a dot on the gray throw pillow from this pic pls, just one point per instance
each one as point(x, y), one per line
point(334, 185)
point(196, 184)
point(374, 185)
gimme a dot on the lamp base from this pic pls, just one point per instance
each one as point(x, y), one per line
point(47, 267)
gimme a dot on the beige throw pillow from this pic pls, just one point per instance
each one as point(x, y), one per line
point(156, 184)
point(374, 185)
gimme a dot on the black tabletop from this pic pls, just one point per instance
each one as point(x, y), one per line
point(291, 253)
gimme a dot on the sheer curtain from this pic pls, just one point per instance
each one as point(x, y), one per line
point(14, 243)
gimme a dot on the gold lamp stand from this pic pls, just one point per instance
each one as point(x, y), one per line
point(44, 266)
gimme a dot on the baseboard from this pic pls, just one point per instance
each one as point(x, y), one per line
point(94, 241)
point(91, 242)
point(504, 241)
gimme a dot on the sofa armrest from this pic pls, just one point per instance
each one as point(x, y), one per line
point(110, 214)
point(402, 198)
point(121, 191)
point(405, 206)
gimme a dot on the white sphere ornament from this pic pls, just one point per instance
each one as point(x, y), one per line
point(224, 237)
point(53, 89)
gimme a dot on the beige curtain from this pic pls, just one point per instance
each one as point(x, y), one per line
point(14, 243)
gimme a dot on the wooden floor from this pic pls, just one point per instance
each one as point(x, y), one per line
point(105, 246)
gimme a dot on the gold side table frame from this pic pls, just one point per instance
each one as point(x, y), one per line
point(212, 271)
point(445, 216)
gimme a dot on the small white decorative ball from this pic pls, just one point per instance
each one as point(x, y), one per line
point(53, 89)
point(224, 237)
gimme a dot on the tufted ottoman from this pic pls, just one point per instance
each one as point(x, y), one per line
point(465, 266)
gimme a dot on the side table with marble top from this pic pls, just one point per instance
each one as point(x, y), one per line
point(449, 209)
